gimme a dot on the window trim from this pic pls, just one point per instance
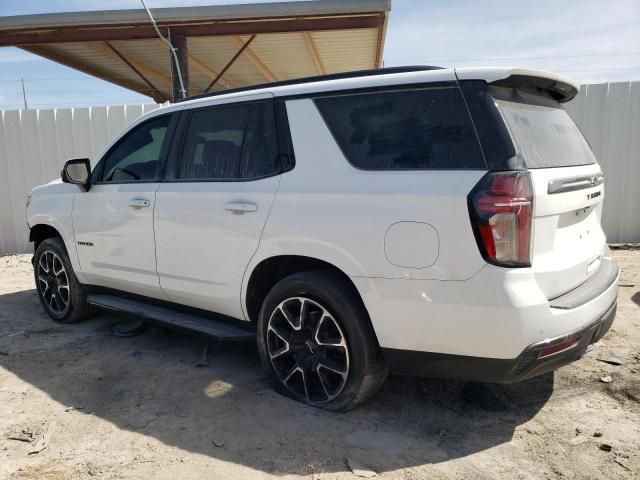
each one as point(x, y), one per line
point(368, 89)
point(286, 152)
point(175, 155)
point(162, 160)
point(394, 89)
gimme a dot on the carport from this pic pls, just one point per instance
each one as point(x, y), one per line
point(218, 47)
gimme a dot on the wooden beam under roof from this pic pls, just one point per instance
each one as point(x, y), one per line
point(127, 62)
point(51, 54)
point(212, 74)
point(137, 31)
point(201, 67)
point(382, 32)
point(314, 53)
point(259, 64)
point(244, 46)
point(103, 48)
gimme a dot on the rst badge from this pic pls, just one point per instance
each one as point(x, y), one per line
point(593, 195)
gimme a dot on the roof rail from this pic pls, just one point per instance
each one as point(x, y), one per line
point(318, 78)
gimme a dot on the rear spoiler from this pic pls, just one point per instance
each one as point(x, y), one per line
point(561, 88)
point(560, 91)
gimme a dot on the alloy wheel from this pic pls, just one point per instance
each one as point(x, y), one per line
point(308, 350)
point(53, 282)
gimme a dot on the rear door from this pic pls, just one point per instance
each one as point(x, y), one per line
point(211, 210)
point(568, 240)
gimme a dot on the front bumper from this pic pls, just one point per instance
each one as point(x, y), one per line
point(528, 364)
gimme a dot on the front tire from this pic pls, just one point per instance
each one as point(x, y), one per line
point(317, 344)
point(62, 296)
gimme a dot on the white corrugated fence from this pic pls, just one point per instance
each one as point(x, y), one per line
point(34, 145)
point(609, 117)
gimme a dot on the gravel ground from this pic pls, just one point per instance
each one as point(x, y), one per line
point(139, 407)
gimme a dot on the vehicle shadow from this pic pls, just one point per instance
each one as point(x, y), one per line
point(226, 410)
point(636, 298)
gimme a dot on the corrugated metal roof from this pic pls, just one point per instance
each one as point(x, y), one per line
point(196, 14)
point(293, 39)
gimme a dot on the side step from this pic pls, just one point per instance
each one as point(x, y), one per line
point(218, 329)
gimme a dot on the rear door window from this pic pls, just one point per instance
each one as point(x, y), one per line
point(260, 153)
point(414, 129)
point(231, 142)
point(544, 133)
point(213, 145)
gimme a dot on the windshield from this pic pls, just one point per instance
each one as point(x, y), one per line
point(544, 133)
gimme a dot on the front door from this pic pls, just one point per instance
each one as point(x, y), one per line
point(113, 221)
point(209, 218)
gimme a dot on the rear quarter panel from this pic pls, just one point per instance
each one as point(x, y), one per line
point(329, 210)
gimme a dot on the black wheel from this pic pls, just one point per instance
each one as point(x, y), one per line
point(60, 293)
point(317, 344)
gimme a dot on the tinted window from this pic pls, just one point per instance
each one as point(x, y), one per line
point(137, 156)
point(213, 144)
point(260, 154)
point(403, 130)
point(543, 131)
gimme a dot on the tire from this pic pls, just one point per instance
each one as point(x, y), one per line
point(330, 359)
point(62, 296)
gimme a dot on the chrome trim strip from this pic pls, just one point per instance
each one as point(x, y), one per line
point(570, 184)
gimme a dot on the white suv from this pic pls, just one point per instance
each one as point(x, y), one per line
point(425, 221)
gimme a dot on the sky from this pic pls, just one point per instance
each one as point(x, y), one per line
point(592, 41)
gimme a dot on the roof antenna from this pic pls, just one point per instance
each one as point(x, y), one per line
point(171, 47)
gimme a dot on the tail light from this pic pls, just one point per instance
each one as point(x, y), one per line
point(501, 209)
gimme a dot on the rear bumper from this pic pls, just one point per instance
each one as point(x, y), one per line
point(528, 364)
point(497, 314)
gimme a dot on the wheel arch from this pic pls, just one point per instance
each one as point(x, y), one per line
point(41, 232)
point(43, 227)
point(271, 270)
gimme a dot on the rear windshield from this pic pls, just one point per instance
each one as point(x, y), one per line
point(543, 131)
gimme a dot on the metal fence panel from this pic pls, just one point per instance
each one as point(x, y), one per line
point(34, 144)
point(609, 117)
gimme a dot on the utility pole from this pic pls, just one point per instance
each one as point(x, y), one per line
point(24, 95)
point(177, 65)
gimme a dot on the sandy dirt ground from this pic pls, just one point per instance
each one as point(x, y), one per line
point(139, 407)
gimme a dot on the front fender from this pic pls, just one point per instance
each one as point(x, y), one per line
point(55, 210)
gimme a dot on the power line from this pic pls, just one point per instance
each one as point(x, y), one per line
point(36, 92)
point(70, 79)
point(599, 69)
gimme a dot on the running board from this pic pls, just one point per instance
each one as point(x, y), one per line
point(217, 329)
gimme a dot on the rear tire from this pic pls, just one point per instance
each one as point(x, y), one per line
point(317, 344)
point(62, 296)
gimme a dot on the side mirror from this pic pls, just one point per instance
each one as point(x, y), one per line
point(77, 171)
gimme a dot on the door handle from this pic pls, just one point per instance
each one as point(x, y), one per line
point(240, 207)
point(139, 203)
